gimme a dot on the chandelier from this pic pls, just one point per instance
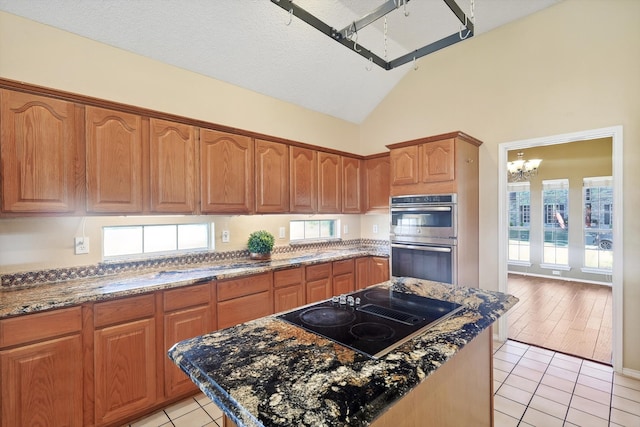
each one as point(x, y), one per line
point(521, 169)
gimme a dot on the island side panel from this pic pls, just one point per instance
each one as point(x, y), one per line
point(459, 393)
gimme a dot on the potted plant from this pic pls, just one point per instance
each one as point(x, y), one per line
point(260, 244)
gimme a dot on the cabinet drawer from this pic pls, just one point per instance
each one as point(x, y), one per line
point(342, 267)
point(318, 271)
point(291, 276)
point(186, 297)
point(39, 326)
point(123, 310)
point(235, 288)
point(244, 309)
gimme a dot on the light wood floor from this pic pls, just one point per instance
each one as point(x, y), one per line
point(570, 317)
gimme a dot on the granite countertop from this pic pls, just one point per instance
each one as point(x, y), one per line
point(18, 301)
point(268, 372)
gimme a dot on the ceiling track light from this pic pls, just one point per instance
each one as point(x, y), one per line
point(345, 36)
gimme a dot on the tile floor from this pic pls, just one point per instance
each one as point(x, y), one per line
point(538, 387)
point(533, 387)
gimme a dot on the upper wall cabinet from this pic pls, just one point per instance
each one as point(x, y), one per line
point(172, 158)
point(38, 143)
point(303, 176)
point(376, 183)
point(351, 184)
point(226, 172)
point(329, 183)
point(436, 165)
point(115, 153)
point(272, 173)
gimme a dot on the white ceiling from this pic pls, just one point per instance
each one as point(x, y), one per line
point(249, 44)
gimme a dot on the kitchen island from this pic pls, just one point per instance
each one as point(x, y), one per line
point(270, 373)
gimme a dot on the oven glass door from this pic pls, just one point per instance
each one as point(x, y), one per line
point(434, 221)
point(428, 262)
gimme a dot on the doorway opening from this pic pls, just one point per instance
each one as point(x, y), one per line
point(550, 239)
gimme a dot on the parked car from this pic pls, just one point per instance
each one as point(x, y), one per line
point(602, 240)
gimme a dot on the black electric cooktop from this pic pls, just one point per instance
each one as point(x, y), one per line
point(372, 321)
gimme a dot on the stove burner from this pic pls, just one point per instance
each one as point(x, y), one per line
point(370, 331)
point(377, 295)
point(327, 316)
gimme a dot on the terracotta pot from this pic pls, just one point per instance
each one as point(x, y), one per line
point(260, 256)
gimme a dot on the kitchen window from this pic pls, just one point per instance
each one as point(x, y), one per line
point(152, 240)
point(300, 230)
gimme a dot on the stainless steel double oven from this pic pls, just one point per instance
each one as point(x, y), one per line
point(424, 237)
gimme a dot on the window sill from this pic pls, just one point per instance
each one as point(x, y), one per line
point(556, 267)
point(312, 241)
point(520, 263)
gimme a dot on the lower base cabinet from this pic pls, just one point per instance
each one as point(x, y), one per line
point(371, 271)
point(125, 370)
point(42, 384)
point(41, 369)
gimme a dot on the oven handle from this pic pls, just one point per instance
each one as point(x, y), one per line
point(422, 209)
point(422, 247)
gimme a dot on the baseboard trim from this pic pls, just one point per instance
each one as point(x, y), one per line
point(631, 373)
point(566, 279)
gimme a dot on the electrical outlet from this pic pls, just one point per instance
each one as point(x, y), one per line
point(346, 229)
point(225, 236)
point(555, 272)
point(283, 233)
point(375, 228)
point(81, 245)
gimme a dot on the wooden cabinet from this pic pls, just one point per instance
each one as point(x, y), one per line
point(124, 357)
point(329, 183)
point(288, 292)
point(115, 169)
point(377, 184)
point(244, 299)
point(38, 143)
point(303, 177)
point(378, 270)
point(351, 185)
point(272, 177)
point(172, 167)
point(226, 172)
point(42, 369)
point(371, 271)
point(187, 314)
point(439, 164)
point(343, 276)
point(318, 282)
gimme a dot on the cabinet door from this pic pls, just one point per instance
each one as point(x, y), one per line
point(114, 161)
point(181, 325)
point(42, 384)
point(344, 284)
point(38, 151)
point(329, 183)
point(172, 167)
point(226, 172)
point(404, 165)
point(351, 185)
point(362, 273)
point(377, 171)
point(288, 298)
point(303, 177)
point(378, 270)
point(438, 161)
point(318, 290)
point(125, 369)
point(243, 309)
point(272, 173)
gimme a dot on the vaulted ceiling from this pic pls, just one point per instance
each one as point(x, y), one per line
point(257, 45)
